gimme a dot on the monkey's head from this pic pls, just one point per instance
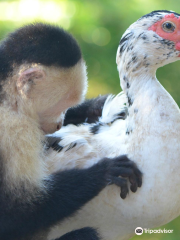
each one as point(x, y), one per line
point(42, 73)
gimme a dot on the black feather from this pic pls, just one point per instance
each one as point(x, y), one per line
point(157, 12)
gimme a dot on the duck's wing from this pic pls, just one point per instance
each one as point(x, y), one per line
point(87, 112)
point(115, 107)
point(77, 146)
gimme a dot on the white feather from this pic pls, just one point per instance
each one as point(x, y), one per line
point(113, 106)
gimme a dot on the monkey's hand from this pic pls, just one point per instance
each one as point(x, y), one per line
point(89, 111)
point(119, 170)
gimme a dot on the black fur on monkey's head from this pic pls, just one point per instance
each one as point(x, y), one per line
point(38, 43)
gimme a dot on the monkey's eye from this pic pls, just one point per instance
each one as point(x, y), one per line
point(168, 27)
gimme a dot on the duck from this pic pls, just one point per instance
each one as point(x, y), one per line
point(142, 122)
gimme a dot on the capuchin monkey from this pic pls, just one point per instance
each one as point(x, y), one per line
point(42, 73)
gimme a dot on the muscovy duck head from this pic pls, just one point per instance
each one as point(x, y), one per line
point(151, 42)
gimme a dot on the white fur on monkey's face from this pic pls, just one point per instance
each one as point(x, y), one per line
point(34, 83)
point(67, 93)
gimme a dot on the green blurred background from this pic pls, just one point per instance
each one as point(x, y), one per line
point(98, 26)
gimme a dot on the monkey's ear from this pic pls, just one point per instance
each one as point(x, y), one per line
point(28, 78)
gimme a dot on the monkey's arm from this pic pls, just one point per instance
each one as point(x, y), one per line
point(89, 111)
point(64, 193)
point(86, 233)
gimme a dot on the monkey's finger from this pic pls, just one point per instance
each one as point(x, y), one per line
point(135, 178)
point(124, 161)
point(128, 173)
point(134, 184)
point(139, 175)
point(122, 183)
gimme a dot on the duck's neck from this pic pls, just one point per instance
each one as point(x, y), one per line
point(136, 80)
point(148, 102)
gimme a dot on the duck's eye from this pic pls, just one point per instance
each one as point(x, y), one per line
point(168, 27)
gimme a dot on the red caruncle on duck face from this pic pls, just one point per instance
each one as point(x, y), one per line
point(169, 29)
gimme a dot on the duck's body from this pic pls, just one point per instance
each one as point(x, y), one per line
point(150, 135)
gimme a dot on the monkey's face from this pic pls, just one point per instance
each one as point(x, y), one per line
point(45, 93)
